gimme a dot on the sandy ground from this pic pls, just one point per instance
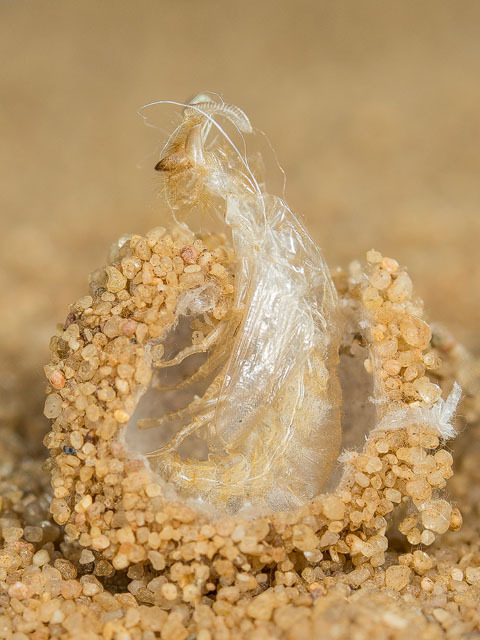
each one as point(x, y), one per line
point(372, 106)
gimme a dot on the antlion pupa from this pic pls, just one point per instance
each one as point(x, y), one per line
point(274, 399)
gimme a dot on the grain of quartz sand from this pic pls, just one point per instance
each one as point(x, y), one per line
point(330, 569)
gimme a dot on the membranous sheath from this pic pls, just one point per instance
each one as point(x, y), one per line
point(271, 414)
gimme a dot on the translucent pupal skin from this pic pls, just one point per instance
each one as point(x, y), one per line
point(274, 421)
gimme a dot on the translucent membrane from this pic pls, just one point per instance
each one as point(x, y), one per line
point(271, 417)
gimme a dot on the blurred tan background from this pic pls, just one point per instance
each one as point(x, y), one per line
point(372, 106)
